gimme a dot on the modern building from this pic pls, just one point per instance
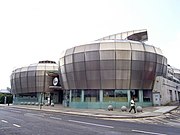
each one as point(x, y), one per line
point(167, 89)
point(108, 71)
point(111, 70)
point(36, 83)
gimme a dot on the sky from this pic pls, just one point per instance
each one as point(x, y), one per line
point(34, 30)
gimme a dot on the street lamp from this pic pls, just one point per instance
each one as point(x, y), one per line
point(41, 101)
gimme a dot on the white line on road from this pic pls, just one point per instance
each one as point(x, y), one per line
point(56, 118)
point(145, 132)
point(32, 114)
point(4, 121)
point(16, 125)
point(90, 124)
point(15, 111)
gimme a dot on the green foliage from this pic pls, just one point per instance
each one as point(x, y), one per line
point(8, 99)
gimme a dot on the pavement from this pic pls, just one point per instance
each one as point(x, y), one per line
point(152, 111)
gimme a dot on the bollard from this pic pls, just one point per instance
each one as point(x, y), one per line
point(110, 108)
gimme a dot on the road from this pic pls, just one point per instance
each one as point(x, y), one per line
point(14, 121)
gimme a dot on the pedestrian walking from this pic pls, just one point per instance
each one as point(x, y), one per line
point(132, 105)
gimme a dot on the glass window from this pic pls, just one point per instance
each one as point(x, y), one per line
point(121, 96)
point(76, 96)
point(89, 56)
point(123, 46)
point(92, 47)
point(124, 55)
point(115, 95)
point(91, 95)
point(106, 55)
point(135, 94)
point(78, 57)
point(147, 95)
point(107, 46)
point(108, 95)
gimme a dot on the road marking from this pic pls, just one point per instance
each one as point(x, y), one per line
point(4, 121)
point(16, 125)
point(56, 118)
point(145, 132)
point(15, 111)
point(99, 125)
point(32, 114)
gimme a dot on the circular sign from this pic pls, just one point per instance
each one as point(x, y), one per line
point(55, 81)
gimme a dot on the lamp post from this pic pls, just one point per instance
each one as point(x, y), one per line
point(41, 101)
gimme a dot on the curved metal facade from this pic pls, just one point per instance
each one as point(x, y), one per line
point(33, 78)
point(112, 64)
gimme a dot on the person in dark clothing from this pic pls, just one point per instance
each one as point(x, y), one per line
point(132, 105)
point(8, 101)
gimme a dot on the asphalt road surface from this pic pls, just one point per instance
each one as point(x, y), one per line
point(15, 121)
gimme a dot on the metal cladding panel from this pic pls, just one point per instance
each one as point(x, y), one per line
point(33, 78)
point(112, 65)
